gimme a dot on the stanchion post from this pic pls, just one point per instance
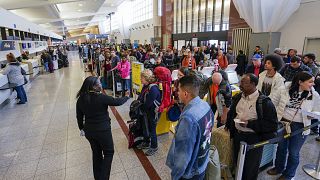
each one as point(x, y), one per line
point(241, 158)
point(313, 170)
point(113, 85)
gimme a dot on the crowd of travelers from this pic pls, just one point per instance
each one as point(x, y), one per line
point(274, 88)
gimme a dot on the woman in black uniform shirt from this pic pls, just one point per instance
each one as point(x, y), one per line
point(94, 121)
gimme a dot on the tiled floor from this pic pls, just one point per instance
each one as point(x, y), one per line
point(40, 140)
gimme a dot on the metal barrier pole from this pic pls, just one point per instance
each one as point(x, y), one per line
point(113, 85)
point(241, 158)
point(313, 170)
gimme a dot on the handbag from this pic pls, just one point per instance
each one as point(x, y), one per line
point(213, 171)
point(286, 123)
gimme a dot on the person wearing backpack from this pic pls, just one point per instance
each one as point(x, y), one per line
point(256, 119)
point(219, 95)
point(14, 72)
point(150, 97)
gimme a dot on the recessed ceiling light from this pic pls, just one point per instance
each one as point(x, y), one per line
point(112, 5)
point(80, 5)
point(79, 10)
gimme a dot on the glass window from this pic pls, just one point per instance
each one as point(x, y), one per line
point(226, 14)
point(179, 16)
point(202, 15)
point(209, 15)
point(217, 15)
point(189, 15)
point(184, 16)
point(175, 18)
point(141, 10)
point(195, 15)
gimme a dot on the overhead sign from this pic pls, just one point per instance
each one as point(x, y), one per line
point(7, 45)
point(97, 36)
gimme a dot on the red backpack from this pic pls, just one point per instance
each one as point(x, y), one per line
point(163, 75)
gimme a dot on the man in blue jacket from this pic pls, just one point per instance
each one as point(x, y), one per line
point(189, 152)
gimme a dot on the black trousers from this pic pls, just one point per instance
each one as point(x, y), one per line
point(214, 109)
point(253, 156)
point(102, 153)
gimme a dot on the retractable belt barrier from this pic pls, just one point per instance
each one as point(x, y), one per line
point(280, 138)
point(311, 170)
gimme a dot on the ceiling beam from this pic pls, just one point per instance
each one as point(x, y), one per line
point(13, 5)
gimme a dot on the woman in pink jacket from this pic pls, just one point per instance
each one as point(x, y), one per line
point(124, 69)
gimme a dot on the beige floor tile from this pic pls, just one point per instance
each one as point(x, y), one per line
point(26, 155)
point(3, 171)
point(137, 173)
point(77, 143)
point(51, 164)
point(9, 146)
point(129, 160)
point(6, 159)
point(57, 175)
point(119, 176)
point(32, 142)
point(53, 149)
point(81, 172)
point(21, 171)
point(77, 157)
point(117, 165)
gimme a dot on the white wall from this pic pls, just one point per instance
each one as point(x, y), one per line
point(143, 34)
point(303, 23)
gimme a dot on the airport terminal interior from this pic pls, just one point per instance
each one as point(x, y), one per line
point(159, 89)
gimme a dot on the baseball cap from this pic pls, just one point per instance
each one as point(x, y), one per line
point(256, 57)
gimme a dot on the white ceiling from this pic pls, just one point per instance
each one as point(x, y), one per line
point(72, 15)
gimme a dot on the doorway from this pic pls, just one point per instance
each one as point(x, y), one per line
point(312, 45)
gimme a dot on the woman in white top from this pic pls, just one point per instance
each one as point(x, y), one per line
point(302, 97)
point(271, 83)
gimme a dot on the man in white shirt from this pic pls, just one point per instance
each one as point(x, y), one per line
point(258, 122)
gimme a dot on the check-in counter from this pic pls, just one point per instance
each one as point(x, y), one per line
point(26, 68)
point(33, 65)
point(4, 94)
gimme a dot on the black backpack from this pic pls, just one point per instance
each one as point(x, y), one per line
point(280, 127)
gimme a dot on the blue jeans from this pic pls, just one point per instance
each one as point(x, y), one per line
point(125, 85)
point(152, 123)
point(291, 146)
point(21, 94)
point(46, 66)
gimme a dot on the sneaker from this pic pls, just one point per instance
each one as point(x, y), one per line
point(272, 172)
point(143, 146)
point(318, 138)
point(282, 177)
point(21, 102)
point(151, 151)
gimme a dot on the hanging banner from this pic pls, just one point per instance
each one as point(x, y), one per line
point(7, 45)
point(137, 68)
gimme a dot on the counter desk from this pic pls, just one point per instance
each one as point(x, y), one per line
point(33, 65)
point(4, 94)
